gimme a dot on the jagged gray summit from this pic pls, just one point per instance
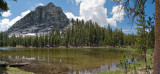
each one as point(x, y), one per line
point(42, 20)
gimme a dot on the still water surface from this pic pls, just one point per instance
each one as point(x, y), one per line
point(64, 60)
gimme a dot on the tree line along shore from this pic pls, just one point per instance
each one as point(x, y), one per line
point(79, 34)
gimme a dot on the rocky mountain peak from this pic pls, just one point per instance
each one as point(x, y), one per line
point(50, 4)
point(42, 20)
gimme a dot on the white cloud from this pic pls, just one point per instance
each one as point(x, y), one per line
point(39, 4)
point(25, 13)
point(36, 5)
point(126, 30)
point(118, 13)
point(94, 10)
point(70, 16)
point(129, 31)
point(111, 21)
point(6, 14)
point(78, 1)
point(6, 23)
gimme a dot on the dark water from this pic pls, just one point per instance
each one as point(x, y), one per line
point(64, 60)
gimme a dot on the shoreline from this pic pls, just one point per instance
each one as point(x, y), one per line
point(86, 47)
point(69, 47)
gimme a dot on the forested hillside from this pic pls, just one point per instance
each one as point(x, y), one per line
point(80, 33)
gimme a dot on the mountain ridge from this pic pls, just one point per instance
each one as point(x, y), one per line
point(42, 20)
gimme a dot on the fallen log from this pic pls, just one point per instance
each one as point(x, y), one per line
point(14, 64)
point(17, 64)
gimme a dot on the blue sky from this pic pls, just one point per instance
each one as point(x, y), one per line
point(102, 11)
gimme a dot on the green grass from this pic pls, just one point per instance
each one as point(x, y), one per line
point(140, 67)
point(111, 72)
point(127, 49)
point(11, 70)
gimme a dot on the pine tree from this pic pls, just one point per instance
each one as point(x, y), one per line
point(141, 39)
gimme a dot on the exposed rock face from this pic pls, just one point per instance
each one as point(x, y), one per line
point(41, 20)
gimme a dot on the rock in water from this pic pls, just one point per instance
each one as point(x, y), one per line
point(40, 21)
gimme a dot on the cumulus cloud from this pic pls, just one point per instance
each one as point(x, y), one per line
point(118, 13)
point(70, 16)
point(111, 21)
point(6, 23)
point(94, 10)
point(6, 14)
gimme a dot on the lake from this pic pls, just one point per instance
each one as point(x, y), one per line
point(64, 60)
